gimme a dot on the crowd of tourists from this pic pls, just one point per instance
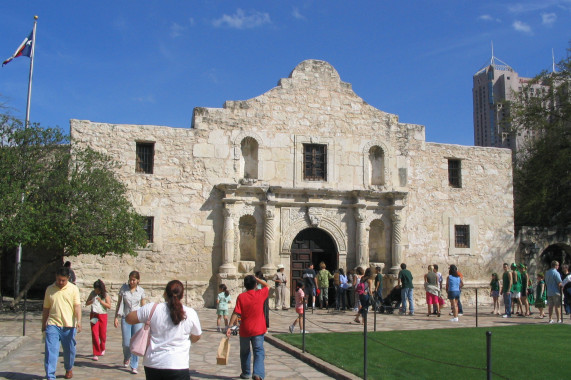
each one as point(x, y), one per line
point(552, 289)
point(173, 327)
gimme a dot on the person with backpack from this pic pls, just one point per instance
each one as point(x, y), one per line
point(356, 280)
point(364, 290)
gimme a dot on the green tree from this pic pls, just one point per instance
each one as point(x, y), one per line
point(62, 200)
point(542, 170)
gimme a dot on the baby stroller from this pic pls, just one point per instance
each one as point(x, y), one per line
point(391, 302)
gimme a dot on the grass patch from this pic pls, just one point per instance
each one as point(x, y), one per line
point(523, 351)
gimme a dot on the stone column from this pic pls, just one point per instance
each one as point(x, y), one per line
point(396, 237)
point(228, 265)
point(269, 240)
point(361, 239)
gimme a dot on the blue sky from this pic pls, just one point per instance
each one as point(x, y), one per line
point(152, 62)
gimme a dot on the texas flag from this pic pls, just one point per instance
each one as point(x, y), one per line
point(25, 49)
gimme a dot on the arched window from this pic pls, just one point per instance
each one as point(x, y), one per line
point(247, 228)
point(376, 166)
point(378, 243)
point(249, 159)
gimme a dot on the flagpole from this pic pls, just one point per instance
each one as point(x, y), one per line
point(27, 123)
point(31, 73)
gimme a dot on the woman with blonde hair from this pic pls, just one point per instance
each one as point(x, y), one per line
point(323, 278)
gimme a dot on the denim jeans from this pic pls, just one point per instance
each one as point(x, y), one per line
point(460, 308)
point(406, 294)
point(127, 331)
point(508, 303)
point(259, 355)
point(378, 297)
point(54, 336)
point(340, 298)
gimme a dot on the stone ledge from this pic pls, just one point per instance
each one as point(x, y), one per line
point(10, 343)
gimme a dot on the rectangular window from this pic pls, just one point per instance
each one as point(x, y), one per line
point(315, 162)
point(462, 236)
point(149, 227)
point(145, 157)
point(454, 173)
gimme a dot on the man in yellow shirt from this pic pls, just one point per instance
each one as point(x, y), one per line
point(61, 320)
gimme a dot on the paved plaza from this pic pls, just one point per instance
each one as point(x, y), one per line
point(22, 357)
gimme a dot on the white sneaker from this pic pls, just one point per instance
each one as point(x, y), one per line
point(451, 313)
point(505, 316)
point(302, 331)
point(291, 329)
point(454, 319)
point(560, 321)
point(460, 314)
point(551, 321)
point(134, 371)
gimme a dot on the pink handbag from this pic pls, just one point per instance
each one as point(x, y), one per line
point(142, 338)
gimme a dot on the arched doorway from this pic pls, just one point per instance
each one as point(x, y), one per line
point(312, 245)
point(560, 252)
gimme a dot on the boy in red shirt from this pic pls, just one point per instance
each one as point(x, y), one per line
point(250, 306)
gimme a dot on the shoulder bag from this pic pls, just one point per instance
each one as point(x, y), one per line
point(140, 341)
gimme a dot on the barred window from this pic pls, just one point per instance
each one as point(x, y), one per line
point(149, 224)
point(462, 236)
point(455, 173)
point(315, 162)
point(145, 157)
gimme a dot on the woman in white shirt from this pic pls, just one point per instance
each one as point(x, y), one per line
point(100, 302)
point(131, 298)
point(173, 328)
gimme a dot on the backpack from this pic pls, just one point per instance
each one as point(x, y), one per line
point(361, 288)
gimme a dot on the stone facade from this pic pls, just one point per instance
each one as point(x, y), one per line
point(232, 193)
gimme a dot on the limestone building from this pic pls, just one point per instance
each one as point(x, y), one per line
point(307, 171)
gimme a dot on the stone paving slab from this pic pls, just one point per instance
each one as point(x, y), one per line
point(25, 359)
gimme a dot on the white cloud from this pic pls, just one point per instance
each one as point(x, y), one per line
point(144, 99)
point(548, 18)
point(488, 18)
point(521, 26)
point(243, 20)
point(297, 15)
point(177, 30)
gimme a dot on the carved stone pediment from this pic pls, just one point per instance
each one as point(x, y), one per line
point(315, 214)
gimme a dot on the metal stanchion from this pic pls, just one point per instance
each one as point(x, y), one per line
point(303, 331)
point(375, 316)
point(476, 307)
point(365, 344)
point(25, 308)
point(489, 354)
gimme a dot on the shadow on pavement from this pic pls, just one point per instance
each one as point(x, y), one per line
point(18, 376)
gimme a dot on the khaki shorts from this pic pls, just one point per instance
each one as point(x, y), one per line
point(516, 295)
point(554, 300)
